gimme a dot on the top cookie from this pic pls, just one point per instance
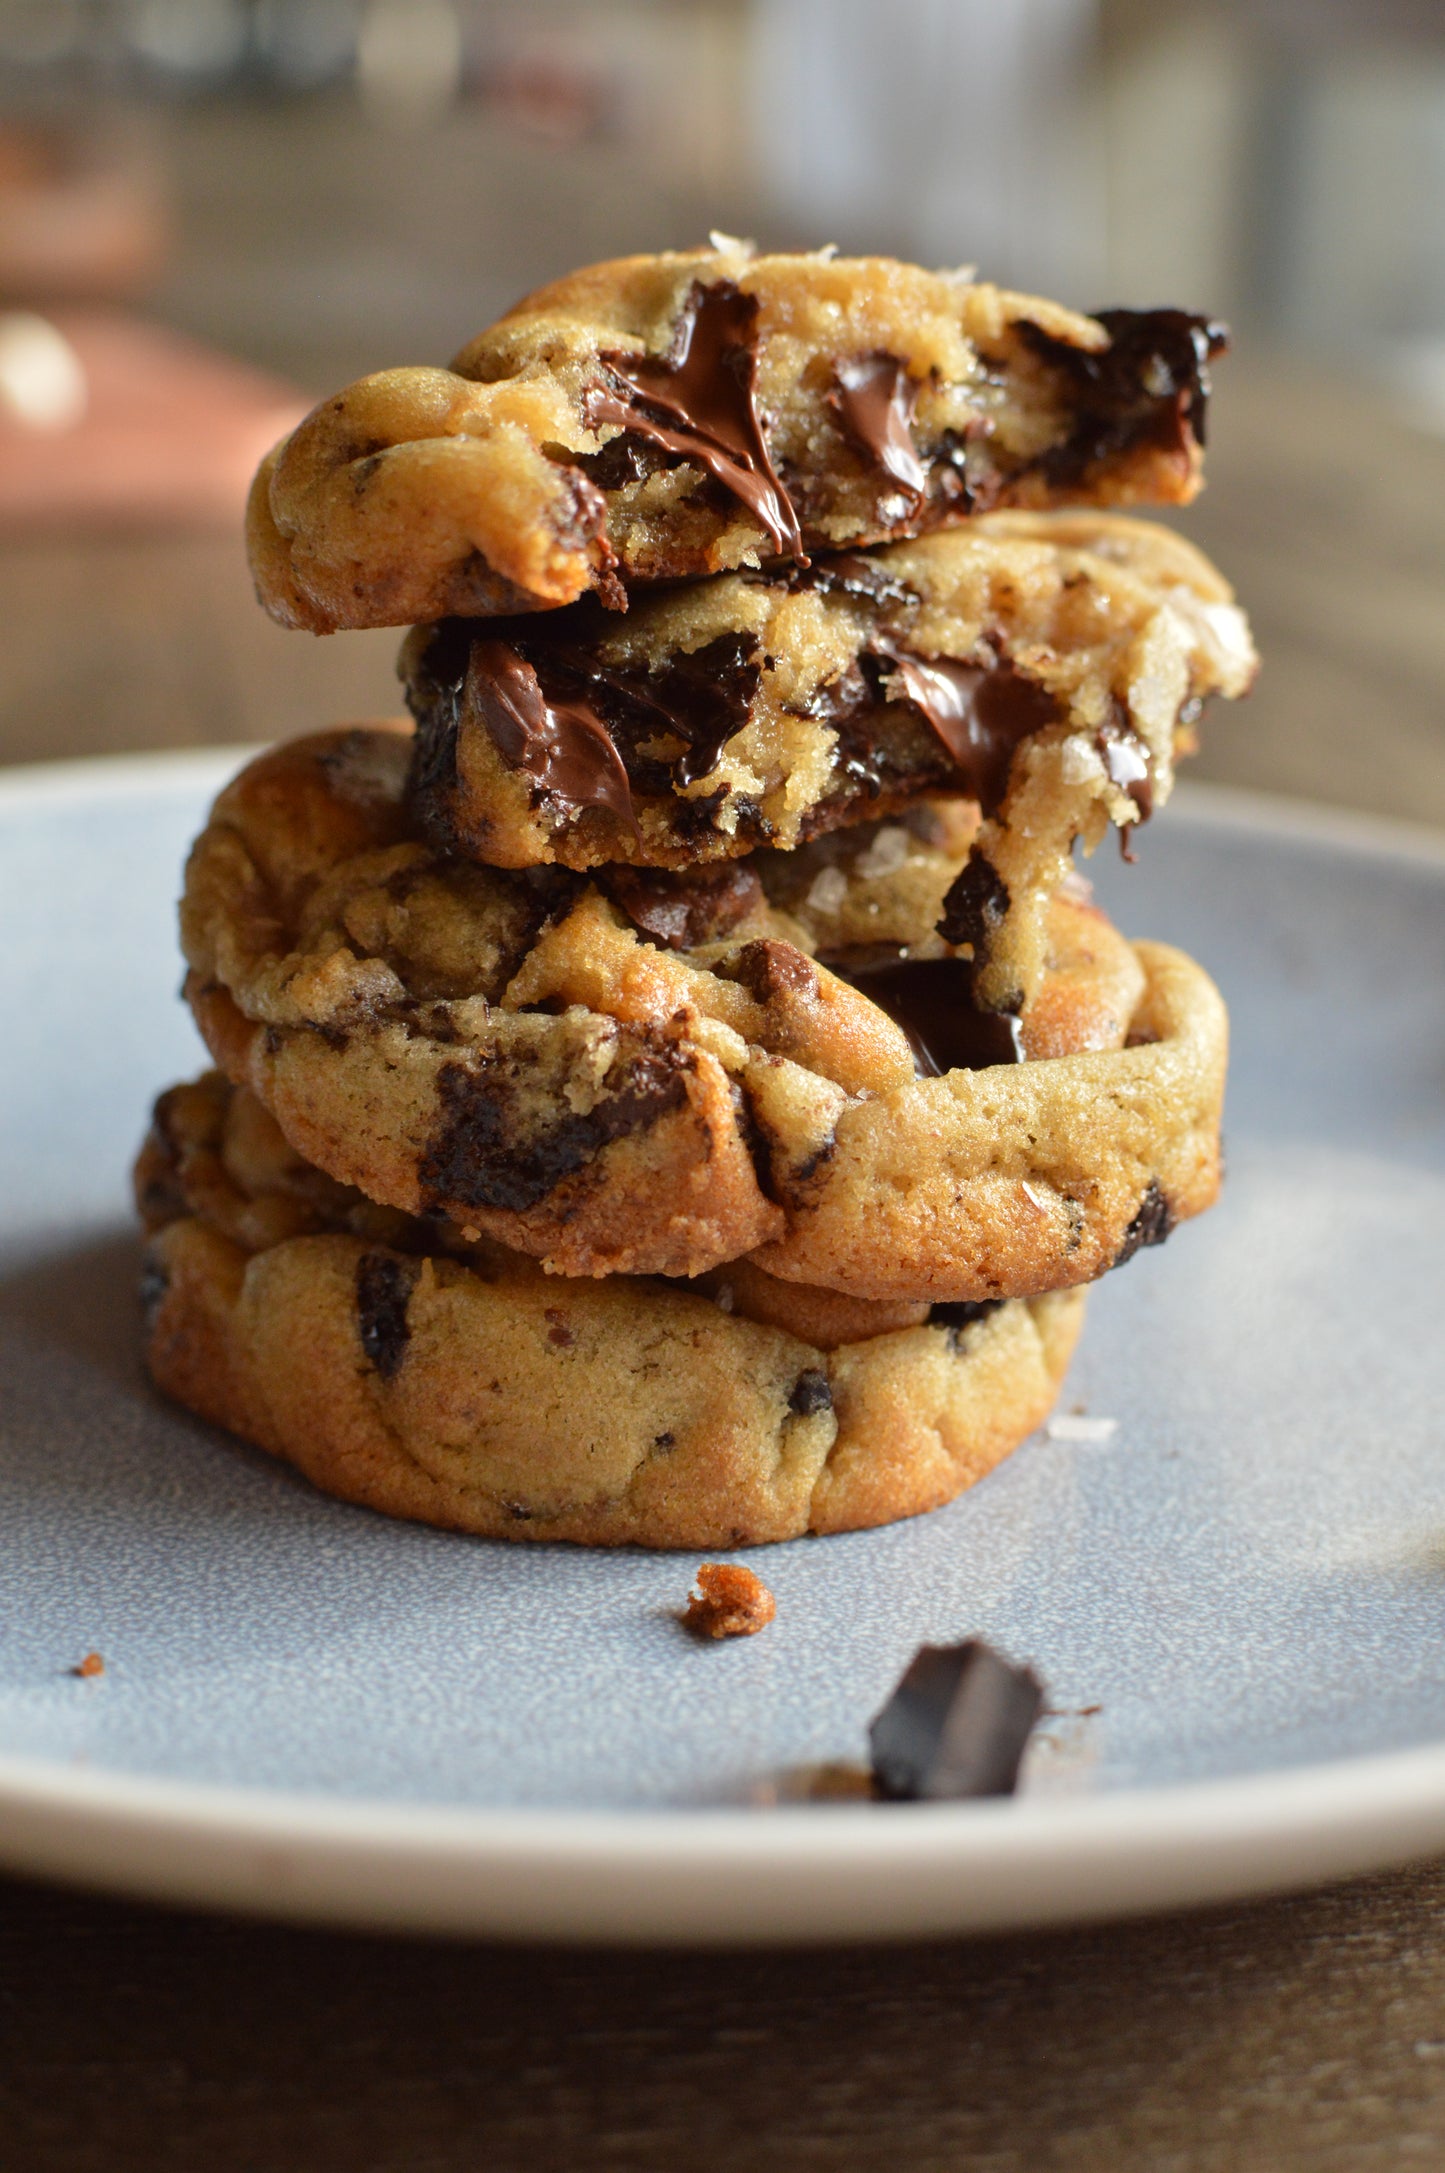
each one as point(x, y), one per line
point(663, 417)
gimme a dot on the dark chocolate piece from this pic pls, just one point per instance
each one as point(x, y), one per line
point(680, 909)
point(561, 743)
point(980, 716)
point(961, 1312)
point(768, 967)
point(849, 574)
point(1149, 386)
point(571, 723)
point(488, 1152)
point(874, 400)
point(974, 905)
point(699, 402)
point(1152, 1223)
point(811, 1394)
point(956, 1726)
point(383, 1293)
point(932, 1000)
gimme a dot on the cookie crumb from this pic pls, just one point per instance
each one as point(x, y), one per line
point(730, 1601)
point(92, 1664)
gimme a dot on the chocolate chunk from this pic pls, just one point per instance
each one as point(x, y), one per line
point(699, 402)
point(704, 698)
point(974, 907)
point(488, 1150)
point(572, 723)
point(979, 714)
point(769, 968)
point(811, 1394)
point(1149, 386)
point(681, 909)
point(1152, 1223)
point(932, 1000)
point(956, 1726)
point(958, 1315)
point(559, 741)
point(383, 1292)
point(874, 399)
point(849, 574)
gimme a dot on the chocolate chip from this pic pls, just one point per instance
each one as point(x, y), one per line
point(489, 1151)
point(958, 1315)
point(383, 1292)
point(1152, 1223)
point(811, 1394)
point(689, 906)
point(1149, 386)
point(975, 906)
point(956, 1725)
point(770, 968)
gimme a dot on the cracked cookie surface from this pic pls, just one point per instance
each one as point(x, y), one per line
point(462, 1387)
point(664, 417)
point(659, 1078)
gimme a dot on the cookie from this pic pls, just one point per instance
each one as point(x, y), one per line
point(487, 1397)
point(763, 709)
point(571, 1071)
point(670, 416)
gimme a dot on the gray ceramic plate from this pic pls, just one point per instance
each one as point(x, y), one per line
point(308, 1709)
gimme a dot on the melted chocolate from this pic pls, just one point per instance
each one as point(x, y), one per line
point(875, 399)
point(680, 910)
point(383, 1293)
point(1152, 1223)
point(975, 905)
point(488, 1151)
point(932, 1000)
point(699, 401)
point(979, 715)
point(560, 743)
point(1149, 386)
point(850, 574)
point(558, 715)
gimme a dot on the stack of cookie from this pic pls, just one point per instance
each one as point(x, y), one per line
point(679, 1091)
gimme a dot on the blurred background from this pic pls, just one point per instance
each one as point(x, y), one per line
point(214, 211)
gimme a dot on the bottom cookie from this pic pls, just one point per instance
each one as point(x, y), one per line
point(468, 1389)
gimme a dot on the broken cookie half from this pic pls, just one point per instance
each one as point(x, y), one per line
point(664, 417)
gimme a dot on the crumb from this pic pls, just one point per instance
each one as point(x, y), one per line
point(92, 1664)
point(730, 1602)
point(1072, 1426)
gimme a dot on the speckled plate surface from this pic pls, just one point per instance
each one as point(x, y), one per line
point(310, 1710)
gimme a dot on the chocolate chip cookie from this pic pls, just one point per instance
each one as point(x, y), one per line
point(665, 417)
point(401, 1368)
point(1047, 667)
point(619, 1076)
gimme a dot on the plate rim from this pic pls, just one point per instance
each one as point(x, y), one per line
point(744, 1876)
point(735, 1876)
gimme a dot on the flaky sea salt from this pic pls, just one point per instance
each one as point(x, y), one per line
point(829, 889)
point(885, 855)
point(1073, 1426)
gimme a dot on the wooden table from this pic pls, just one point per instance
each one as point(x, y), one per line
point(1306, 2033)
